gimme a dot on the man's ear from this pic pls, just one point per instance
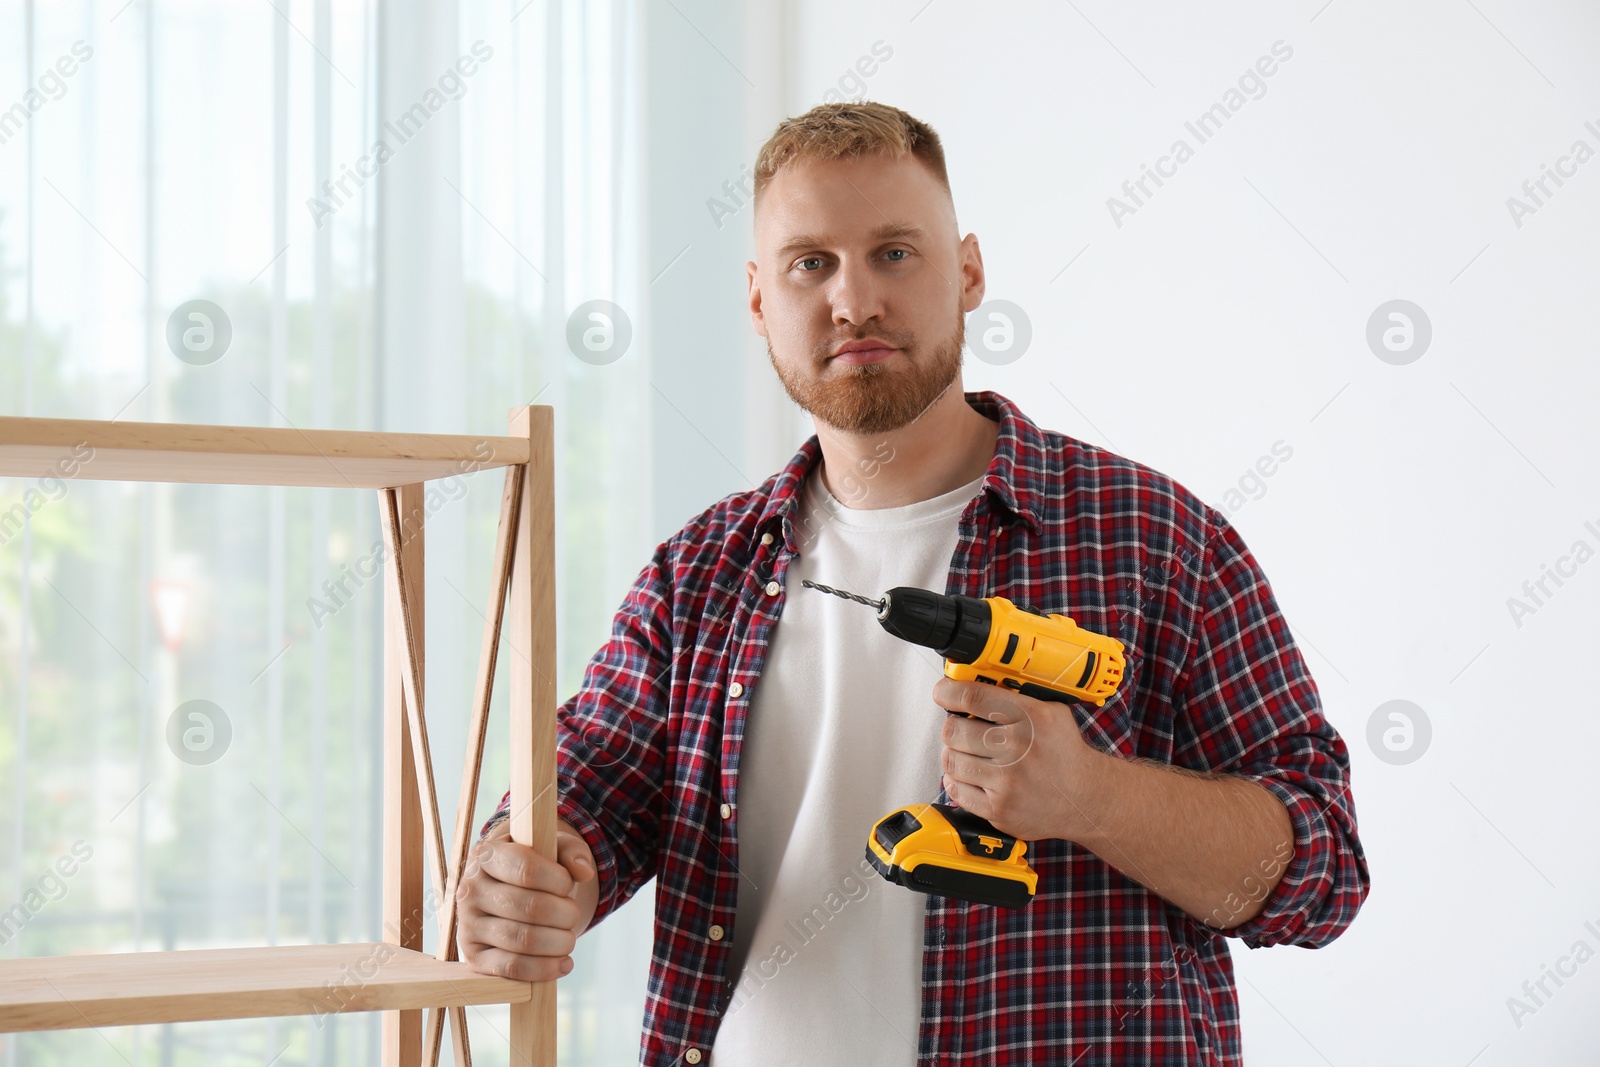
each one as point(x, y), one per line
point(973, 280)
point(758, 318)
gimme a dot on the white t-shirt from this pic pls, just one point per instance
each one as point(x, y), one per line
point(842, 730)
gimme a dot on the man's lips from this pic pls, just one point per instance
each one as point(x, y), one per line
point(865, 355)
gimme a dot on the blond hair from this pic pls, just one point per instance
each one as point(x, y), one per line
point(847, 130)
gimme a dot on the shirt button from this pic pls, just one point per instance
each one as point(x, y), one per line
point(773, 588)
point(693, 1055)
point(736, 690)
point(716, 933)
point(766, 539)
point(726, 811)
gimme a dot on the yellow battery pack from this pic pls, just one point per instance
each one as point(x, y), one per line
point(943, 849)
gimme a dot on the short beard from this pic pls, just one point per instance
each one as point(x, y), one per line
point(872, 399)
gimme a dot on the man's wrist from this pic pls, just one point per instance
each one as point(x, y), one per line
point(496, 821)
point(1092, 790)
point(1108, 790)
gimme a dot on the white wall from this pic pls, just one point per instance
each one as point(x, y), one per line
point(1228, 313)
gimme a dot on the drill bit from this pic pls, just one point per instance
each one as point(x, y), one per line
point(876, 605)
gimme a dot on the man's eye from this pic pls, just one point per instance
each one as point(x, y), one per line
point(898, 251)
point(809, 259)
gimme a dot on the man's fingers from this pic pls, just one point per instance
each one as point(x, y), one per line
point(524, 905)
point(967, 769)
point(962, 734)
point(994, 703)
point(523, 939)
point(519, 865)
point(1005, 743)
point(498, 961)
point(968, 798)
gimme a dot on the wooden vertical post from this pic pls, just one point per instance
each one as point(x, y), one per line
point(403, 842)
point(533, 698)
point(505, 543)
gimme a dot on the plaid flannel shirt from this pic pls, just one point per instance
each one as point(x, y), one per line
point(1096, 970)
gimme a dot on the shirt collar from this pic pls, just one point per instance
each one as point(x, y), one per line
point(1014, 479)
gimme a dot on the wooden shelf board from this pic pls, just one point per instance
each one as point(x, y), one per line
point(120, 989)
point(242, 455)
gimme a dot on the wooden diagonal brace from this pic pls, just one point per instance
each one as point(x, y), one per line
point(410, 680)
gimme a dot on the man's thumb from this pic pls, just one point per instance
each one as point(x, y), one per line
point(571, 854)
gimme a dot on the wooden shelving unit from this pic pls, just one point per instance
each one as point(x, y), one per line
point(125, 988)
point(394, 976)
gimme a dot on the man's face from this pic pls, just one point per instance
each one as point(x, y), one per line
point(864, 249)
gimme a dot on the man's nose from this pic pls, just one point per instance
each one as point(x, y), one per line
point(857, 294)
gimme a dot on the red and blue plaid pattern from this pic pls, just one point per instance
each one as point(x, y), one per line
point(1097, 970)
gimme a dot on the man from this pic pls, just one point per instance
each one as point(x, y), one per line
point(741, 761)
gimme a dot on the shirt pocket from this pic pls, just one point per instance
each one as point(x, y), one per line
point(722, 604)
point(707, 651)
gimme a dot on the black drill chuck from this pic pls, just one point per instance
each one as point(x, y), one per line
point(957, 627)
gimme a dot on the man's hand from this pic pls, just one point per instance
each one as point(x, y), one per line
point(1023, 769)
point(519, 914)
point(1215, 845)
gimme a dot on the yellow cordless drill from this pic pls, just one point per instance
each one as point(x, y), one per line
point(939, 848)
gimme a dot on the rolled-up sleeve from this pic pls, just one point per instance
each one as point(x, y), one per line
point(610, 742)
point(1246, 705)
